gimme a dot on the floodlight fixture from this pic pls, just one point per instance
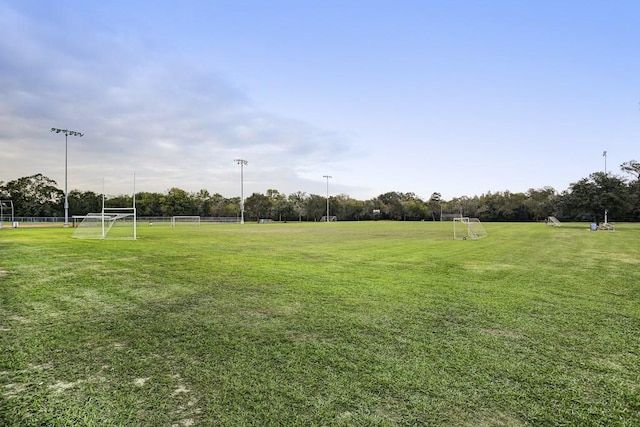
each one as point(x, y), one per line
point(242, 164)
point(66, 133)
point(327, 177)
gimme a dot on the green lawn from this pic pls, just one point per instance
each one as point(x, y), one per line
point(340, 324)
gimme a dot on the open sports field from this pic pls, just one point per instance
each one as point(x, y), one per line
point(340, 324)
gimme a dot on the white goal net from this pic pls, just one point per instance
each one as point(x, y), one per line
point(111, 223)
point(468, 228)
point(553, 221)
point(331, 218)
point(185, 220)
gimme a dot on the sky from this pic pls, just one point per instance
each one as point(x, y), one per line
point(459, 97)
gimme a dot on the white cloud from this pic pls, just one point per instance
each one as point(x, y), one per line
point(166, 117)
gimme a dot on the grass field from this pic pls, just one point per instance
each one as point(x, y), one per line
point(341, 324)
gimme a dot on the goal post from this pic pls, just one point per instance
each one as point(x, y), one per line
point(186, 220)
point(468, 228)
point(111, 224)
point(6, 212)
point(331, 218)
point(553, 221)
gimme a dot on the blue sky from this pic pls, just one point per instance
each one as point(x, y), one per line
point(457, 97)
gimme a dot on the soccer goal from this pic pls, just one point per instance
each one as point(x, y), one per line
point(553, 221)
point(331, 218)
point(111, 223)
point(185, 220)
point(468, 228)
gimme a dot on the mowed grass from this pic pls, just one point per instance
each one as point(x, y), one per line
point(341, 324)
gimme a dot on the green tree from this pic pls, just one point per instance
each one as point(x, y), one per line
point(415, 209)
point(589, 198)
point(285, 210)
point(120, 201)
point(177, 202)
point(355, 210)
point(279, 208)
point(392, 206)
point(435, 205)
point(84, 202)
point(149, 204)
point(35, 195)
point(257, 206)
point(298, 202)
point(226, 207)
point(201, 201)
point(631, 167)
point(541, 203)
point(316, 207)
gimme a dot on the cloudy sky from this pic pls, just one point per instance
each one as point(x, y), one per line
point(459, 97)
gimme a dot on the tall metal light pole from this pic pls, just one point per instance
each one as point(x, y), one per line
point(327, 177)
point(242, 163)
point(604, 154)
point(66, 132)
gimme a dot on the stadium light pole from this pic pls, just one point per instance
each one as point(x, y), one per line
point(66, 132)
point(604, 154)
point(242, 163)
point(327, 177)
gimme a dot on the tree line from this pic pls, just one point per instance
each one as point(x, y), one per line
point(585, 200)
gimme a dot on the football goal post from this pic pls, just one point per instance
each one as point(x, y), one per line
point(553, 221)
point(185, 220)
point(331, 218)
point(6, 212)
point(111, 223)
point(468, 228)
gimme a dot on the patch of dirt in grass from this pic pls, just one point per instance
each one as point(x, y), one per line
point(628, 258)
point(40, 368)
point(286, 310)
point(498, 419)
point(491, 267)
point(16, 318)
point(187, 411)
point(486, 420)
point(61, 386)
point(290, 309)
point(180, 389)
point(13, 389)
point(184, 423)
point(501, 333)
point(609, 365)
point(263, 314)
point(139, 382)
point(308, 337)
